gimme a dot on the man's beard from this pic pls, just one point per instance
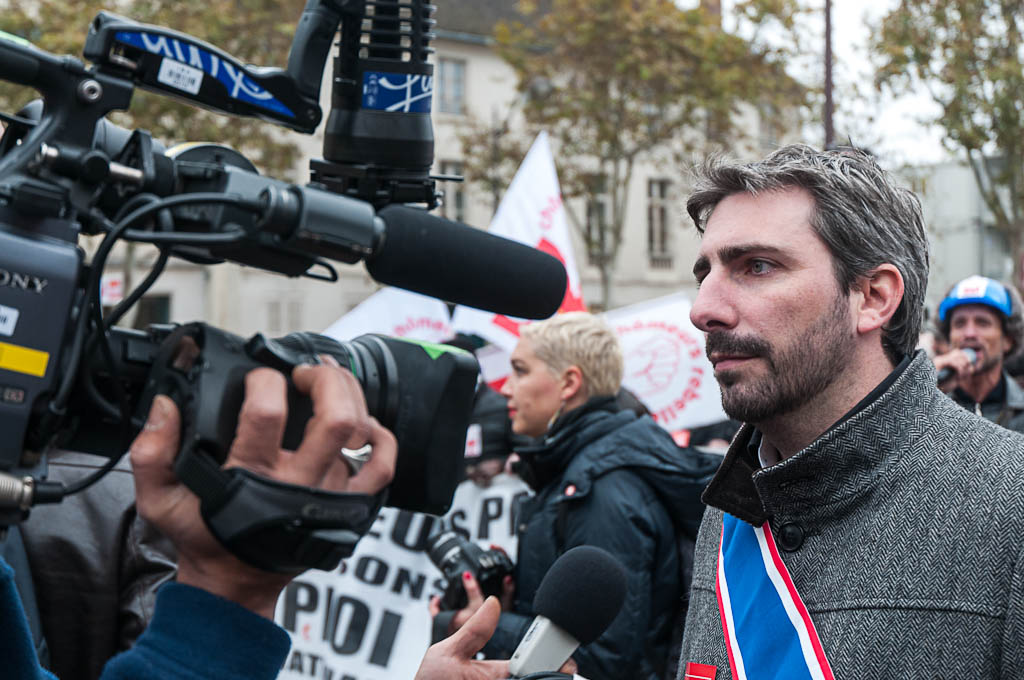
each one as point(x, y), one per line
point(797, 372)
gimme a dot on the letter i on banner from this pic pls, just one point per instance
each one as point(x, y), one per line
point(531, 212)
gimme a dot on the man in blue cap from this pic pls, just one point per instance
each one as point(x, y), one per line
point(982, 320)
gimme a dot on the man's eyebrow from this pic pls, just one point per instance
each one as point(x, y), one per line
point(732, 253)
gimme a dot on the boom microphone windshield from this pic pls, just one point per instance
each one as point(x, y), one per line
point(467, 266)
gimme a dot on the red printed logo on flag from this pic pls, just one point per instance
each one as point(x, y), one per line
point(699, 671)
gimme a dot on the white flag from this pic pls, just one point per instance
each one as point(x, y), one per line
point(665, 364)
point(531, 212)
point(392, 311)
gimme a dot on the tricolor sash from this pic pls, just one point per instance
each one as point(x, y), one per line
point(768, 632)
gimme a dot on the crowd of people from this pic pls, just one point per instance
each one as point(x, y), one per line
point(868, 512)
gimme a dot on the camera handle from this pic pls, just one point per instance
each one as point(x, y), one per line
point(172, 63)
point(269, 524)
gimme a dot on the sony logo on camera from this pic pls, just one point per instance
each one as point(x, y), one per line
point(22, 281)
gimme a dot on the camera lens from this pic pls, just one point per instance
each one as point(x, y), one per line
point(444, 549)
point(371, 362)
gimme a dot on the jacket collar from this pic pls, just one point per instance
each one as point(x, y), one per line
point(844, 461)
point(546, 457)
point(997, 395)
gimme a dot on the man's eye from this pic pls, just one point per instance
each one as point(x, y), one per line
point(760, 267)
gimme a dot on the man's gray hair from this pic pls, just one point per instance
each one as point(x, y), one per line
point(862, 215)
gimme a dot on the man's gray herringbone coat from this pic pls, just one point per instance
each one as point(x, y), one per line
point(909, 517)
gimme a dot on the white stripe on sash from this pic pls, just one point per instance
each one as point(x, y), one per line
point(725, 606)
point(767, 600)
point(788, 600)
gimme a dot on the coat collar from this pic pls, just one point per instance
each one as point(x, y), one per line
point(845, 461)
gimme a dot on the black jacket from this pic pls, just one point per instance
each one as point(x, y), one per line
point(619, 482)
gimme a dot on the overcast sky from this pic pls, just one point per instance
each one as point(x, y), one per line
point(902, 137)
point(890, 127)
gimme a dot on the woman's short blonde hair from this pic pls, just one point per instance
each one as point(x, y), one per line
point(582, 340)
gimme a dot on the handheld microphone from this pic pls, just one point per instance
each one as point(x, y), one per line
point(948, 372)
point(577, 600)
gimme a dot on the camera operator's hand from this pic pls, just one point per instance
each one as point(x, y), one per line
point(453, 657)
point(474, 600)
point(340, 419)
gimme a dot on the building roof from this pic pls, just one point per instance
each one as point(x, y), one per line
point(474, 17)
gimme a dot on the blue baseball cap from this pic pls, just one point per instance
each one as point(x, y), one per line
point(977, 290)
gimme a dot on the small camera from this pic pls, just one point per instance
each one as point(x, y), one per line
point(455, 555)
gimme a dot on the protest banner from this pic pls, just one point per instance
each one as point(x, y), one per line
point(665, 364)
point(368, 619)
point(397, 312)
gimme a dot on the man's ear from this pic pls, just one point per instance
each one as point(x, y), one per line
point(572, 384)
point(877, 297)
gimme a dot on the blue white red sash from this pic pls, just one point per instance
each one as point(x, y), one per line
point(768, 632)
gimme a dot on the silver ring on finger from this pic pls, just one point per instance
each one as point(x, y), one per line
point(356, 458)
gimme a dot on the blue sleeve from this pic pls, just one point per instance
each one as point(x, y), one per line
point(16, 647)
point(195, 635)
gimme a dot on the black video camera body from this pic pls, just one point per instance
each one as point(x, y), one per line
point(422, 392)
point(69, 376)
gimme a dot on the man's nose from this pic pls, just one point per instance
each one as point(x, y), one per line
point(713, 309)
point(970, 330)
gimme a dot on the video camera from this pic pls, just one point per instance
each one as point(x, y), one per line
point(69, 377)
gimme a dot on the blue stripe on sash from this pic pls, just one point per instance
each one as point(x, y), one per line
point(766, 637)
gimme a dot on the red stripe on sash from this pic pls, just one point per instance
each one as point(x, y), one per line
point(798, 601)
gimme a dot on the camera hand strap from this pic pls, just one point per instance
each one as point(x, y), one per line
point(272, 525)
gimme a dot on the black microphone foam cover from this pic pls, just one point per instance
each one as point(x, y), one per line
point(457, 263)
point(583, 592)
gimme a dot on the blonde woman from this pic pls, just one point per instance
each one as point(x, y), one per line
point(603, 477)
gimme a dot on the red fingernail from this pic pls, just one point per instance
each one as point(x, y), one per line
point(467, 575)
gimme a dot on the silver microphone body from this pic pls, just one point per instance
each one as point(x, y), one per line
point(545, 647)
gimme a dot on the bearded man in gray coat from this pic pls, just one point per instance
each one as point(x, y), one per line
point(862, 524)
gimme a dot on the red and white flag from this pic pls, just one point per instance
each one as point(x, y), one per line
point(392, 311)
point(531, 212)
point(665, 364)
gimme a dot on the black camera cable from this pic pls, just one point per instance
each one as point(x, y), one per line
point(50, 492)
